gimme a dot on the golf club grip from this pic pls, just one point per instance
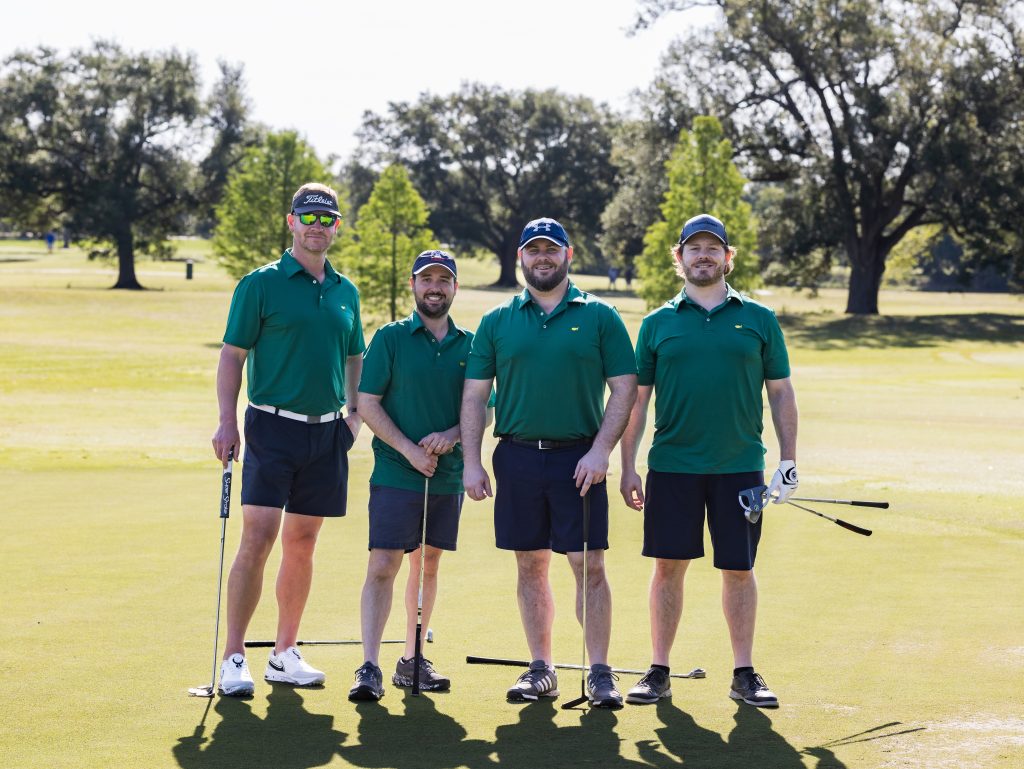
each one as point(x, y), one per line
point(854, 529)
point(225, 486)
point(881, 505)
point(497, 661)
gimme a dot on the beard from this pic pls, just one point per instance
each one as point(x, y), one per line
point(436, 311)
point(704, 278)
point(545, 283)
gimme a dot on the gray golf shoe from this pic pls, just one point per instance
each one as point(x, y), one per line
point(430, 679)
point(601, 689)
point(538, 681)
point(369, 684)
point(751, 688)
point(651, 688)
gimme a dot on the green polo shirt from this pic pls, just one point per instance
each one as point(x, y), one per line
point(551, 368)
point(420, 381)
point(708, 370)
point(299, 333)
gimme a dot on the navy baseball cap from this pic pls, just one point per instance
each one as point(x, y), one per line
point(704, 223)
point(316, 200)
point(434, 258)
point(544, 228)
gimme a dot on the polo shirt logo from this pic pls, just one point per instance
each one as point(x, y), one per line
point(575, 328)
point(739, 325)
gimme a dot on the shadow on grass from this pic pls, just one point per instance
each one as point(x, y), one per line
point(289, 737)
point(826, 332)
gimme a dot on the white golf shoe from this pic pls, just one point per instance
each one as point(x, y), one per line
point(235, 679)
point(289, 668)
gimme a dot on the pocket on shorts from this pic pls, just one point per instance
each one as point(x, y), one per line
point(347, 438)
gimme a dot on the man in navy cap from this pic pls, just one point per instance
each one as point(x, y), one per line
point(552, 349)
point(708, 352)
point(409, 396)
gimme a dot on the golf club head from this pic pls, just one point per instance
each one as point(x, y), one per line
point(201, 691)
point(753, 501)
point(574, 703)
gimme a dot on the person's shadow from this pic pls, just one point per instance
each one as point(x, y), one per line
point(536, 741)
point(420, 738)
point(752, 742)
point(290, 737)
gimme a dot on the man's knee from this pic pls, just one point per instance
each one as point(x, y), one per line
point(383, 565)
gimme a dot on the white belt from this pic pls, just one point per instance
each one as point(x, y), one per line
point(309, 420)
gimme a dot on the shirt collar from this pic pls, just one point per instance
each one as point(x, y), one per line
point(681, 298)
point(572, 294)
point(291, 267)
point(416, 323)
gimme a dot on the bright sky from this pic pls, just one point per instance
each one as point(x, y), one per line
point(316, 67)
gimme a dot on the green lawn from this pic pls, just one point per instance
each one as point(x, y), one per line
point(899, 650)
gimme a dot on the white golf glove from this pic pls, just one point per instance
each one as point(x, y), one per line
point(784, 482)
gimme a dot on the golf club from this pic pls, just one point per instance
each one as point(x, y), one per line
point(856, 502)
point(341, 642)
point(418, 655)
point(753, 502)
point(225, 504)
point(583, 615)
point(695, 673)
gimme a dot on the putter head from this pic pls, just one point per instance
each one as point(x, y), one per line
point(753, 502)
point(201, 691)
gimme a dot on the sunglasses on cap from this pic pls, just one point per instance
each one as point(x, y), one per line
point(326, 220)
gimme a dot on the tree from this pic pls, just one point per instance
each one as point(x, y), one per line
point(883, 116)
point(488, 161)
point(251, 225)
point(701, 180)
point(391, 229)
point(109, 137)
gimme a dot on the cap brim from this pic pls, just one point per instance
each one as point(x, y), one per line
point(316, 209)
point(544, 237)
point(706, 232)
point(435, 264)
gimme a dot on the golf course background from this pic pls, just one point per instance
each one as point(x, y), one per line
point(904, 649)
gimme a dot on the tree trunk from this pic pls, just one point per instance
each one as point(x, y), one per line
point(867, 264)
point(126, 262)
point(508, 256)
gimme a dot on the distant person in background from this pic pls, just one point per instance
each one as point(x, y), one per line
point(628, 275)
point(613, 275)
point(51, 238)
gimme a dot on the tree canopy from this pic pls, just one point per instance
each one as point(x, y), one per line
point(877, 116)
point(701, 180)
point(251, 225)
point(110, 138)
point(390, 230)
point(487, 161)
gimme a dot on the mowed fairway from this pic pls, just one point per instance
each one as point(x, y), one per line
point(905, 649)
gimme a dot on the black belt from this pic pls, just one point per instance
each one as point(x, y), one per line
point(545, 444)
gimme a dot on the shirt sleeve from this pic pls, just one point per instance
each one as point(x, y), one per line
point(616, 348)
point(245, 318)
point(378, 362)
point(774, 355)
point(646, 359)
point(481, 363)
point(356, 342)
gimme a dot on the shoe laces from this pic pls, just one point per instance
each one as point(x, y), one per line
point(757, 682)
point(368, 670)
point(533, 676)
point(606, 677)
point(653, 676)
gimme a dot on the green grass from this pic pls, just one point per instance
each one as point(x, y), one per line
point(899, 651)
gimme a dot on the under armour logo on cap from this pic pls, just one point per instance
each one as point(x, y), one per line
point(544, 228)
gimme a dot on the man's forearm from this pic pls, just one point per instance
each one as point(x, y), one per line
point(353, 372)
point(229, 383)
point(382, 425)
point(785, 417)
point(471, 421)
point(616, 412)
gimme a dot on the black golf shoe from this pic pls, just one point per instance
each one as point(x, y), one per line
point(369, 685)
point(751, 688)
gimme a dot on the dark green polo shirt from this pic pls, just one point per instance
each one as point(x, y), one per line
point(299, 333)
point(708, 370)
point(551, 369)
point(420, 381)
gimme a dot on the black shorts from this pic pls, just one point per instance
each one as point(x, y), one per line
point(537, 505)
point(289, 464)
point(396, 519)
point(674, 517)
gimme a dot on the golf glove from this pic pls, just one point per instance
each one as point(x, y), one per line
point(784, 482)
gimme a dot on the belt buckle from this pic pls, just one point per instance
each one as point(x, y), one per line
point(313, 420)
point(541, 446)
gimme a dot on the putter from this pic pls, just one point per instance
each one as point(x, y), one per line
point(753, 502)
point(225, 504)
point(418, 655)
point(583, 615)
point(856, 502)
point(695, 673)
point(341, 642)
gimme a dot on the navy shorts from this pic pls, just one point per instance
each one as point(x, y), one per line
point(396, 519)
point(289, 464)
point(537, 505)
point(674, 517)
